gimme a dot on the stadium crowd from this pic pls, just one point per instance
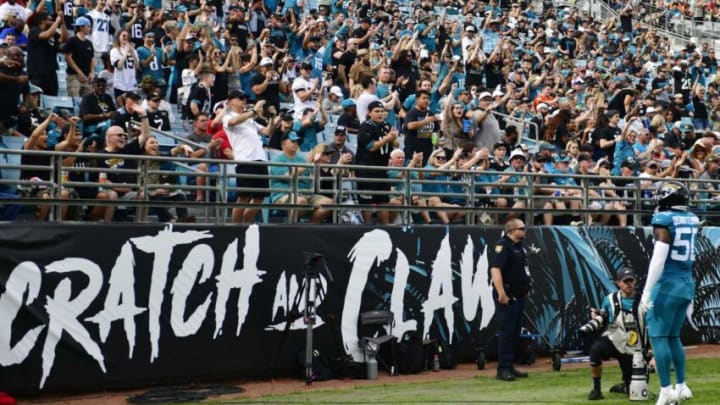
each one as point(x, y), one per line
point(493, 90)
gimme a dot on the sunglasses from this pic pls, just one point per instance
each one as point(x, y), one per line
point(440, 157)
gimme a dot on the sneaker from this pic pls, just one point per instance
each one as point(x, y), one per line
point(669, 397)
point(684, 393)
point(595, 395)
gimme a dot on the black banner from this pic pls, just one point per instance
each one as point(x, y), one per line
point(87, 307)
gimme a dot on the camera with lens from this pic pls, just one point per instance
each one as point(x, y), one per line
point(595, 323)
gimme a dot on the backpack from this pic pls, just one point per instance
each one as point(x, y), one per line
point(412, 353)
point(322, 370)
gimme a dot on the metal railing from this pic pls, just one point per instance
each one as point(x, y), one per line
point(468, 189)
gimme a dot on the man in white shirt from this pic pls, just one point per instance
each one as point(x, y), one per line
point(305, 91)
point(243, 133)
point(11, 9)
point(100, 34)
point(369, 94)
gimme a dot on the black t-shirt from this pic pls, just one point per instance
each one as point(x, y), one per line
point(220, 87)
point(271, 95)
point(493, 73)
point(347, 59)
point(608, 133)
point(82, 53)
point(240, 30)
point(349, 121)
point(617, 102)
point(122, 118)
point(35, 160)
point(10, 94)
point(28, 119)
point(96, 104)
point(420, 140)
point(200, 96)
point(130, 148)
point(137, 32)
point(159, 119)
point(371, 132)
point(181, 63)
point(275, 135)
point(359, 33)
point(42, 54)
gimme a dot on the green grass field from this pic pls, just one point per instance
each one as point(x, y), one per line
point(542, 387)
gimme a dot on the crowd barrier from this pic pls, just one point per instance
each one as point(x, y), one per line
point(461, 186)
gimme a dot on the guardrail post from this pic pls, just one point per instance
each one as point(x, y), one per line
point(56, 169)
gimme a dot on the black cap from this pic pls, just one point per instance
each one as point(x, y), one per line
point(286, 116)
point(239, 94)
point(374, 105)
point(133, 96)
point(155, 96)
point(628, 163)
point(626, 273)
point(305, 65)
point(340, 129)
point(499, 145)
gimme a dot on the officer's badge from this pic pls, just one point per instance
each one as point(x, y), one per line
point(498, 248)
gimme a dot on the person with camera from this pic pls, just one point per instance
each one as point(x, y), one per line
point(620, 339)
point(511, 283)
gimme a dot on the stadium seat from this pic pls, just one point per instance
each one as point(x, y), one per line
point(50, 102)
point(12, 143)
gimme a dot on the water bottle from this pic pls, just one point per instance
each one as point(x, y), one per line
point(372, 368)
point(638, 383)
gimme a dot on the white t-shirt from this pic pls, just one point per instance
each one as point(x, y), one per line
point(244, 138)
point(124, 78)
point(188, 78)
point(301, 83)
point(100, 34)
point(16, 9)
point(362, 103)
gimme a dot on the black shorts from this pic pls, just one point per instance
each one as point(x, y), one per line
point(261, 184)
point(371, 186)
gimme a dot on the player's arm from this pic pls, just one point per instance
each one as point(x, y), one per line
point(657, 261)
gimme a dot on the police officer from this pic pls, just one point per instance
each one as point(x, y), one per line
point(620, 340)
point(511, 282)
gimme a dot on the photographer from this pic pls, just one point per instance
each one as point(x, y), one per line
point(620, 338)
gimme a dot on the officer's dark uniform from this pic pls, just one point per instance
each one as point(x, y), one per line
point(511, 259)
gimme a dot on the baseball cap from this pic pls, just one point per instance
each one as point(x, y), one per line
point(239, 94)
point(375, 104)
point(542, 106)
point(155, 96)
point(626, 273)
point(340, 129)
point(336, 91)
point(470, 28)
point(291, 136)
point(561, 159)
point(266, 62)
point(348, 103)
point(545, 146)
point(305, 65)
point(82, 22)
point(132, 95)
point(485, 94)
point(628, 163)
point(499, 145)
point(517, 153)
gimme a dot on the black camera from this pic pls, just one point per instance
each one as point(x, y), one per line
point(595, 323)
